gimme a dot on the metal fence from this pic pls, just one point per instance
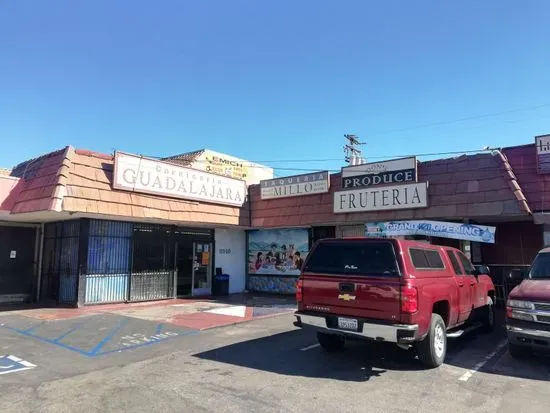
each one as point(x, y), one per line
point(151, 286)
point(96, 261)
point(60, 262)
point(503, 284)
point(128, 262)
point(108, 265)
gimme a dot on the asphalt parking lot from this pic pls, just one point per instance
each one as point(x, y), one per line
point(116, 363)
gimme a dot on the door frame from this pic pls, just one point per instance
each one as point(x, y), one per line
point(179, 269)
point(203, 291)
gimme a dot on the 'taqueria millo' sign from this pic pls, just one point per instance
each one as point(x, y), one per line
point(297, 185)
point(138, 174)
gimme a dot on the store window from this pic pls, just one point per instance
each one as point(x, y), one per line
point(318, 233)
point(109, 248)
point(153, 248)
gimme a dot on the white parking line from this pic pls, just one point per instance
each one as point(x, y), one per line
point(468, 375)
point(310, 347)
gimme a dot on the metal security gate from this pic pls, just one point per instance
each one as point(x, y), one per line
point(60, 264)
point(107, 274)
point(95, 261)
point(153, 263)
point(128, 262)
point(17, 247)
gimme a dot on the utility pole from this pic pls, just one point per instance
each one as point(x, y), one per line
point(354, 156)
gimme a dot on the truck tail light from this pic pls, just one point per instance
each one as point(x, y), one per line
point(409, 299)
point(299, 290)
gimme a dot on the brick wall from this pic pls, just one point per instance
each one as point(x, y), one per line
point(516, 243)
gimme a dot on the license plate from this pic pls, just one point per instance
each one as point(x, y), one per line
point(347, 323)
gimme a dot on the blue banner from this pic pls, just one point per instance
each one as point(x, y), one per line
point(467, 232)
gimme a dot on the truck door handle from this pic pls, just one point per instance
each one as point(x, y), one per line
point(461, 284)
point(472, 284)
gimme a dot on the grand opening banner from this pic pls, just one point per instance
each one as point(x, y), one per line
point(454, 230)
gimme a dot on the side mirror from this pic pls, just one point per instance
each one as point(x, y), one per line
point(516, 275)
point(482, 269)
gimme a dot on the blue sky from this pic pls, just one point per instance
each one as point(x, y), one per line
point(272, 81)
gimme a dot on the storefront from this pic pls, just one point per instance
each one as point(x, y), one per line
point(127, 228)
point(88, 228)
point(474, 203)
point(94, 261)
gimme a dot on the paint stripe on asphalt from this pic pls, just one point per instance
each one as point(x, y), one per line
point(468, 375)
point(310, 347)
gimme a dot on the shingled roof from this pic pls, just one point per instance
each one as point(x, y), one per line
point(185, 159)
point(536, 187)
point(472, 186)
point(80, 181)
point(42, 182)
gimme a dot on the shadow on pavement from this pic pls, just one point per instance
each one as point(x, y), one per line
point(278, 354)
point(362, 360)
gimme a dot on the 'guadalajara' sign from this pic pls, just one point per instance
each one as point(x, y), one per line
point(138, 174)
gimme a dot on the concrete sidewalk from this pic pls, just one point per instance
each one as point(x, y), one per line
point(195, 313)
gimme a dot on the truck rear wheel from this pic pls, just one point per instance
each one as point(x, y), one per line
point(331, 342)
point(431, 351)
point(489, 316)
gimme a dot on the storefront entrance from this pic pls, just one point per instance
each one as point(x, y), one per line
point(17, 248)
point(194, 264)
point(202, 269)
point(98, 262)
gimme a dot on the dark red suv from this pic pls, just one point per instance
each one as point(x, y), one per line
point(528, 308)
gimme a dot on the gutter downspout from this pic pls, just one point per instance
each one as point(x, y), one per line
point(249, 207)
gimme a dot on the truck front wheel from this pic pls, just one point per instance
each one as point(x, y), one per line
point(431, 351)
point(330, 342)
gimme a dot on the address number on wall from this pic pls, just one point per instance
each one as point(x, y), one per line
point(225, 251)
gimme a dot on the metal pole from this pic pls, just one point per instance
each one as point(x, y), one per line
point(40, 256)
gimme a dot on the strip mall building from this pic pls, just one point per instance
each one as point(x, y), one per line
point(79, 227)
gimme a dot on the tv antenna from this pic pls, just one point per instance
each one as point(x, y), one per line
point(353, 155)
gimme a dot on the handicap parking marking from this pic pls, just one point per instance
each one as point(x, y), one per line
point(136, 340)
point(13, 364)
point(96, 335)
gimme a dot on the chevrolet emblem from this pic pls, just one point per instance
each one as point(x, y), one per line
point(346, 297)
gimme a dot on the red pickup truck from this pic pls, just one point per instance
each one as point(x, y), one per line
point(405, 292)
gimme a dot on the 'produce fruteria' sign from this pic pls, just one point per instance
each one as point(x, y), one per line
point(382, 198)
point(397, 171)
point(543, 153)
point(139, 174)
point(454, 230)
point(297, 185)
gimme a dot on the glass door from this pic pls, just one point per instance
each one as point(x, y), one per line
point(202, 268)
